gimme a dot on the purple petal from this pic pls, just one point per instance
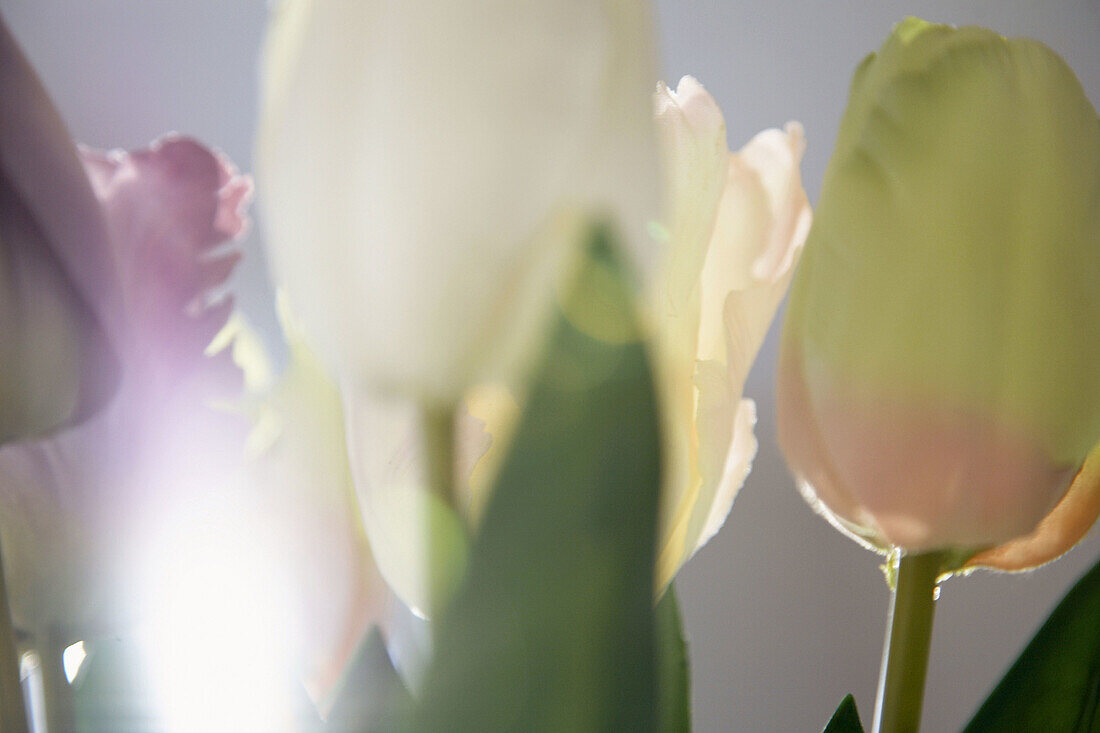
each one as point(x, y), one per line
point(171, 209)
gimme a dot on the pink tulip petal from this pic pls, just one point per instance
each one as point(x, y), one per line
point(919, 475)
point(1058, 532)
point(170, 209)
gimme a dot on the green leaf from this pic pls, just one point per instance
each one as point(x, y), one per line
point(1055, 684)
point(370, 696)
point(673, 670)
point(553, 627)
point(846, 718)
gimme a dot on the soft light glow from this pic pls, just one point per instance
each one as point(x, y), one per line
point(220, 645)
point(73, 656)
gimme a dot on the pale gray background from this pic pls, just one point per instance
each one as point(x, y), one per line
point(785, 615)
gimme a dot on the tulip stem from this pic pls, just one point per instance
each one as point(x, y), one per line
point(438, 440)
point(13, 708)
point(439, 448)
point(908, 642)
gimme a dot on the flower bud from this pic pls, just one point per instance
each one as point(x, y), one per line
point(417, 159)
point(938, 381)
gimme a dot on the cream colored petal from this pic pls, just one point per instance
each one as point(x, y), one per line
point(419, 543)
point(775, 156)
point(741, 232)
point(747, 317)
point(727, 447)
point(762, 221)
point(681, 480)
point(619, 176)
point(692, 134)
point(404, 220)
point(742, 451)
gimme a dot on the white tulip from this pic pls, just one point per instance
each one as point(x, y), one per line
point(417, 161)
point(735, 226)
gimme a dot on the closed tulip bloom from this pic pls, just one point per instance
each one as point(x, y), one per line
point(426, 168)
point(58, 299)
point(734, 228)
point(938, 381)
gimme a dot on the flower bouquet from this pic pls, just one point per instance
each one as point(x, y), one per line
point(520, 286)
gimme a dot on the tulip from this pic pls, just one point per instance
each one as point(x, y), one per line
point(425, 167)
point(57, 281)
point(938, 382)
point(734, 229)
point(74, 506)
point(733, 232)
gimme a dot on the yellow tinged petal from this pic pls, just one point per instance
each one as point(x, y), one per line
point(707, 345)
point(1065, 526)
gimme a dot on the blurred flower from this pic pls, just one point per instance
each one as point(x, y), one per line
point(938, 383)
point(735, 226)
point(298, 462)
point(427, 167)
point(75, 507)
point(147, 519)
point(57, 285)
point(419, 541)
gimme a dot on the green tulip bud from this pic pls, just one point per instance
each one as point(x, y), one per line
point(940, 371)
